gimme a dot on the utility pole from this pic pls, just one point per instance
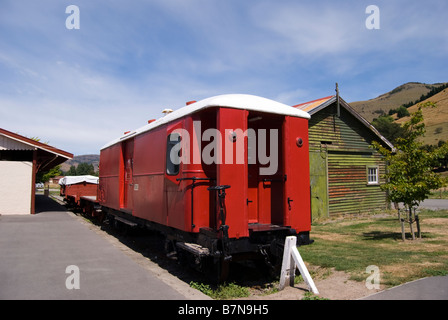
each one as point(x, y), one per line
point(338, 112)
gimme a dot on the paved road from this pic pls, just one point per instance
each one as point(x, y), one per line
point(434, 204)
point(433, 288)
point(35, 251)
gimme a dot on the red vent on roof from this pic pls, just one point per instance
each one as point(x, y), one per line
point(190, 102)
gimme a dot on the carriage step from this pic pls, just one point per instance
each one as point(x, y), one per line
point(129, 223)
point(193, 248)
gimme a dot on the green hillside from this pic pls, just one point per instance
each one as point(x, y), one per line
point(436, 119)
point(404, 94)
point(88, 158)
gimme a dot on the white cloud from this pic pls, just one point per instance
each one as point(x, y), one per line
point(293, 97)
point(307, 28)
point(82, 88)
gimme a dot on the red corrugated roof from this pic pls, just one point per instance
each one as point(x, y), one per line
point(310, 105)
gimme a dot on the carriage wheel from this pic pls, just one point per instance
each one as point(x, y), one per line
point(225, 267)
point(219, 271)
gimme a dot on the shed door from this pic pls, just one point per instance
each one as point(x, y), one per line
point(318, 182)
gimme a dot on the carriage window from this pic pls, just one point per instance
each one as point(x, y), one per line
point(173, 154)
point(372, 175)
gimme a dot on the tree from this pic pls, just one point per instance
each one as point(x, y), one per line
point(71, 171)
point(388, 128)
point(443, 164)
point(402, 112)
point(82, 169)
point(85, 168)
point(410, 177)
point(45, 176)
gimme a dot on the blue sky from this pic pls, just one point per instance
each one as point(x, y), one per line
point(79, 89)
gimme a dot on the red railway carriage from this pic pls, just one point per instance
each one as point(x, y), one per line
point(223, 177)
point(75, 187)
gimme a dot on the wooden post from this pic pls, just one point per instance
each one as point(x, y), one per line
point(33, 182)
point(417, 220)
point(338, 108)
point(289, 266)
point(403, 235)
point(410, 223)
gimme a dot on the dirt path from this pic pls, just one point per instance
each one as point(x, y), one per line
point(336, 286)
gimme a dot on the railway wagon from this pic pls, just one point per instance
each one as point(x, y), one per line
point(73, 188)
point(224, 178)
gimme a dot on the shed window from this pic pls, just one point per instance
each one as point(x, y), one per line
point(173, 154)
point(372, 175)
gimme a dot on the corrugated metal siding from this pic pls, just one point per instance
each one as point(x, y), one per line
point(344, 132)
point(347, 183)
point(7, 143)
point(347, 143)
point(319, 185)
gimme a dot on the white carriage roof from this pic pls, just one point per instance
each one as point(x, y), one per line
point(235, 101)
point(67, 180)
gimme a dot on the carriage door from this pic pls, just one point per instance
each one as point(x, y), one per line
point(128, 159)
point(265, 179)
point(252, 169)
point(173, 188)
point(252, 190)
point(296, 167)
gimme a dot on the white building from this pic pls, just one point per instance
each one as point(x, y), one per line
point(20, 159)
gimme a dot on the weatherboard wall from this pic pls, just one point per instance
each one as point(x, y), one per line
point(341, 149)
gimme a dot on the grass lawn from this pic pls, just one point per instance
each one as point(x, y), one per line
point(351, 245)
point(439, 194)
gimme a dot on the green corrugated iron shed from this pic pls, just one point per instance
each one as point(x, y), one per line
point(345, 172)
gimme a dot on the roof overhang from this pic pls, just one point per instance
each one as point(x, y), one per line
point(315, 106)
point(26, 149)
